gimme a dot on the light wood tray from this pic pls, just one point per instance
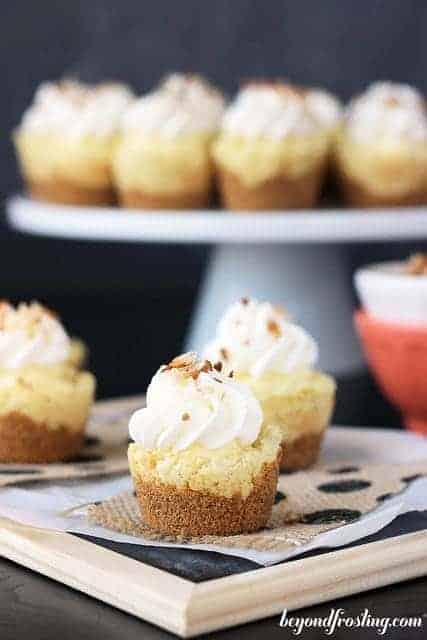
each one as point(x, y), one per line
point(188, 608)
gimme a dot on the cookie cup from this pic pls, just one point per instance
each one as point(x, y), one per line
point(379, 175)
point(265, 174)
point(199, 491)
point(66, 169)
point(301, 404)
point(43, 412)
point(160, 173)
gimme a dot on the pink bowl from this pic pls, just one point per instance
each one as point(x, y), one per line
point(397, 355)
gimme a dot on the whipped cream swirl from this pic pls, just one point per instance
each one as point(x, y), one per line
point(30, 334)
point(387, 112)
point(278, 110)
point(182, 104)
point(190, 402)
point(74, 109)
point(256, 338)
point(325, 107)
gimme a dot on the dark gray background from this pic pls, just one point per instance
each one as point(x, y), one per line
point(132, 303)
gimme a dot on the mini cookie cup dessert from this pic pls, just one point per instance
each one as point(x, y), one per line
point(66, 139)
point(276, 360)
point(44, 400)
point(202, 462)
point(381, 152)
point(273, 149)
point(163, 161)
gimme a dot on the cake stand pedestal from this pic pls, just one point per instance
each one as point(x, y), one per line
point(311, 281)
point(297, 259)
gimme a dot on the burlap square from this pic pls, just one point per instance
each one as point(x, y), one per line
point(307, 503)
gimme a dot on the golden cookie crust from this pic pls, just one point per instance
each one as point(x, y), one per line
point(357, 195)
point(66, 192)
point(187, 512)
point(280, 192)
point(140, 199)
point(301, 452)
point(23, 440)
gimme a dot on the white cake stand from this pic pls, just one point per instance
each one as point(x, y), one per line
point(296, 258)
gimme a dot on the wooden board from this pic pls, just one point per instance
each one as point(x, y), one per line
point(189, 608)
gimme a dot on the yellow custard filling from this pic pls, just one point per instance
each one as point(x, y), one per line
point(53, 395)
point(226, 471)
point(161, 165)
point(300, 403)
point(256, 160)
point(384, 168)
point(84, 161)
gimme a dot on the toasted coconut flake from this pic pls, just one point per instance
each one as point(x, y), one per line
point(280, 85)
point(200, 367)
point(281, 311)
point(183, 361)
point(417, 265)
point(274, 328)
point(188, 365)
point(391, 101)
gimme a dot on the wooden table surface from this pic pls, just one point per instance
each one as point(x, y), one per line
point(36, 608)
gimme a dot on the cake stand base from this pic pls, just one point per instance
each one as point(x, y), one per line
point(311, 281)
